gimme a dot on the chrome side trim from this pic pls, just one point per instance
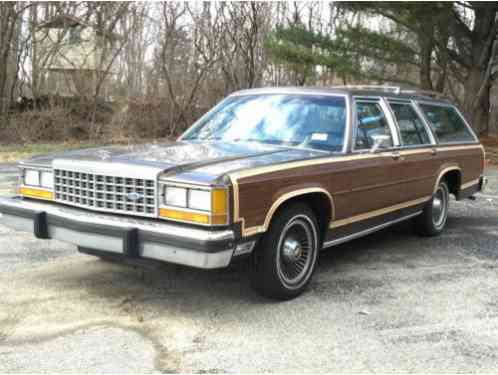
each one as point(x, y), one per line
point(368, 231)
point(382, 211)
point(469, 184)
point(269, 215)
point(427, 124)
point(441, 174)
point(391, 121)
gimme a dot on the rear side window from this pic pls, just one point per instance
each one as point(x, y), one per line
point(411, 127)
point(371, 121)
point(447, 124)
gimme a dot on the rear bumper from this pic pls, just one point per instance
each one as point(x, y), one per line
point(483, 181)
point(130, 237)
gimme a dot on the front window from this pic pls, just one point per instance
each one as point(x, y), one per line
point(312, 121)
point(371, 122)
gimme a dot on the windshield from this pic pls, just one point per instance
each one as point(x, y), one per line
point(314, 121)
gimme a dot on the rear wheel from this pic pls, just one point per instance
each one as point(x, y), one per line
point(433, 219)
point(286, 257)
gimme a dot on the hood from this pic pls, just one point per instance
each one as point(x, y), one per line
point(198, 161)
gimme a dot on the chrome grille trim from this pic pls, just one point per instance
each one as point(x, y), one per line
point(106, 193)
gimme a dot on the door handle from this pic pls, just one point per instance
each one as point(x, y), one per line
point(433, 152)
point(397, 156)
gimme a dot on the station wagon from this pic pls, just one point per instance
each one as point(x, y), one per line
point(270, 176)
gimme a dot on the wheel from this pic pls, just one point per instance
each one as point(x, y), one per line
point(433, 218)
point(286, 256)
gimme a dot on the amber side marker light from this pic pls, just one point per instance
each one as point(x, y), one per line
point(219, 209)
point(217, 216)
point(36, 193)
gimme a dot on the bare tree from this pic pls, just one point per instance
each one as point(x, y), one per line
point(10, 17)
point(188, 50)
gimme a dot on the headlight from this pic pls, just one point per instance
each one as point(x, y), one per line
point(194, 204)
point(199, 200)
point(47, 180)
point(175, 196)
point(32, 177)
point(37, 184)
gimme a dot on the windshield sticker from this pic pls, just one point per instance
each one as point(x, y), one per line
point(319, 136)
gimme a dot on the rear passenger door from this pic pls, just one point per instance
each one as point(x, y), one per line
point(418, 157)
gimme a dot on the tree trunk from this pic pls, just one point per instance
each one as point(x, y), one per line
point(477, 113)
point(426, 48)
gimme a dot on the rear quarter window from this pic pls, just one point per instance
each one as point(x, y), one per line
point(447, 123)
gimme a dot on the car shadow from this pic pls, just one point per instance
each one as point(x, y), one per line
point(165, 285)
point(159, 281)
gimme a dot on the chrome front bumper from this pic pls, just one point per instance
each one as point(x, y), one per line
point(130, 237)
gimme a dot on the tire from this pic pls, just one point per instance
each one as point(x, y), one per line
point(286, 256)
point(433, 218)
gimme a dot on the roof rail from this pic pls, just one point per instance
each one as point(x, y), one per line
point(432, 94)
point(393, 89)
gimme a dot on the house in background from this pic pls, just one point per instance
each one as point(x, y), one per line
point(78, 57)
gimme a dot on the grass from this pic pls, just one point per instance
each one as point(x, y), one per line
point(14, 153)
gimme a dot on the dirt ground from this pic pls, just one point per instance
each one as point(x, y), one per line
point(388, 302)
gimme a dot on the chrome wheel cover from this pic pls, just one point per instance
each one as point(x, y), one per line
point(297, 251)
point(440, 206)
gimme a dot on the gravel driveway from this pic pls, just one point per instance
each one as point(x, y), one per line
point(388, 302)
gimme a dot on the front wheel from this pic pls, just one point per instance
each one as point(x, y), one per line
point(433, 218)
point(285, 259)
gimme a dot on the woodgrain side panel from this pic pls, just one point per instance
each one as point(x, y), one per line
point(357, 183)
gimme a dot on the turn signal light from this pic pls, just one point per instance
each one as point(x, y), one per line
point(194, 217)
point(36, 193)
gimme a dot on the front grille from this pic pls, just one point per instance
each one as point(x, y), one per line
point(106, 193)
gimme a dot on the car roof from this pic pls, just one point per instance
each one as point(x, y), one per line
point(346, 90)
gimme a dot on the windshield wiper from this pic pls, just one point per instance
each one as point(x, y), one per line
point(269, 141)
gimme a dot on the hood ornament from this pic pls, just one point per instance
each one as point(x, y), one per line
point(104, 155)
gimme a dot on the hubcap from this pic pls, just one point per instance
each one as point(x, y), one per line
point(439, 206)
point(291, 250)
point(296, 251)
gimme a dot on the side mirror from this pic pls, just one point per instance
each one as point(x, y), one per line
point(380, 141)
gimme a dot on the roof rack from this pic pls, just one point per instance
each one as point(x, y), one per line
point(432, 94)
point(394, 90)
